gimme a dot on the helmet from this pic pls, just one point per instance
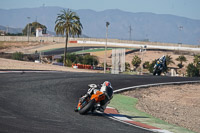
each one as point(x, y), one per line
point(163, 57)
point(107, 89)
point(106, 83)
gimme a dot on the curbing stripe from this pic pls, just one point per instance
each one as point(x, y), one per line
point(112, 113)
point(143, 125)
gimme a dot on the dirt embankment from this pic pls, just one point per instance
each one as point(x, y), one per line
point(8, 64)
point(179, 104)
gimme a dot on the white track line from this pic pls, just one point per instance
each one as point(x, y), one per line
point(156, 84)
point(28, 71)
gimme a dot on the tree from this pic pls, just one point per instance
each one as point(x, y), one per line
point(146, 65)
point(151, 66)
point(90, 60)
point(192, 70)
point(181, 59)
point(68, 23)
point(169, 60)
point(136, 61)
point(197, 61)
point(18, 56)
point(127, 66)
point(74, 59)
point(32, 28)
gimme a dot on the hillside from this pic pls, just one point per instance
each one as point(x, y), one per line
point(10, 29)
point(145, 26)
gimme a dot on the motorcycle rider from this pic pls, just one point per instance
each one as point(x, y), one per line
point(162, 62)
point(106, 88)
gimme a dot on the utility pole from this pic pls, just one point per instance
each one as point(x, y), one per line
point(107, 24)
point(28, 30)
point(180, 29)
point(130, 30)
point(7, 29)
point(142, 49)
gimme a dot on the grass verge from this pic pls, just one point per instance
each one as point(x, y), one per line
point(92, 50)
point(127, 106)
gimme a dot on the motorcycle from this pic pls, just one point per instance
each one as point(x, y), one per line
point(93, 102)
point(158, 68)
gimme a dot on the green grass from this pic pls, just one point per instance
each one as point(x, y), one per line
point(84, 51)
point(92, 50)
point(127, 106)
point(130, 73)
point(96, 50)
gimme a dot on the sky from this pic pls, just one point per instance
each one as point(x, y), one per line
point(184, 8)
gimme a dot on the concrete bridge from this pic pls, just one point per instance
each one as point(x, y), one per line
point(111, 42)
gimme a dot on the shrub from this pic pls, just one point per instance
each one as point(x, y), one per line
point(90, 60)
point(181, 59)
point(192, 71)
point(151, 66)
point(146, 65)
point(18, 56)
point(136, 61)
point(71, 57)
point(197, 61)
point(127, 66)
point(69, 63)
point(86, 59)
point(180, 65)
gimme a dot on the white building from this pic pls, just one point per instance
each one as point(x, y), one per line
point(39, 32)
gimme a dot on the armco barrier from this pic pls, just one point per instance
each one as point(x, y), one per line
point(72, 41)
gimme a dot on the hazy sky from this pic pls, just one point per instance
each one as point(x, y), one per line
point(185, 8)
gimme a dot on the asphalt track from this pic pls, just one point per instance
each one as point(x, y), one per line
point(72, 49)
point(69, 49)
point(44, 102)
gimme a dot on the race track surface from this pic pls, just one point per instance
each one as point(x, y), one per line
point(69, 49)
point(72, 49)
point(44, 102)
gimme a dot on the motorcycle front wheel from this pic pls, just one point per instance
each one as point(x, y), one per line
point(87, 107)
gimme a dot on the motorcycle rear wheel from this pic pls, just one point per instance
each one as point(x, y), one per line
point(87, 108)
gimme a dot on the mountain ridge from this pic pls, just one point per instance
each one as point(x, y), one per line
point(145, 26)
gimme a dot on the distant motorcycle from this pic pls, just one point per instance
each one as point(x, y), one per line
point(158, 68)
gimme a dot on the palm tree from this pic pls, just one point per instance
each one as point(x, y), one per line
point(169, 60)
point(68, 23)
point(182, 59)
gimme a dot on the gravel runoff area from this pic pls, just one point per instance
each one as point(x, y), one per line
point(175, 104)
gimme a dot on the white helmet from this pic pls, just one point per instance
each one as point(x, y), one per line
point(107, 89)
